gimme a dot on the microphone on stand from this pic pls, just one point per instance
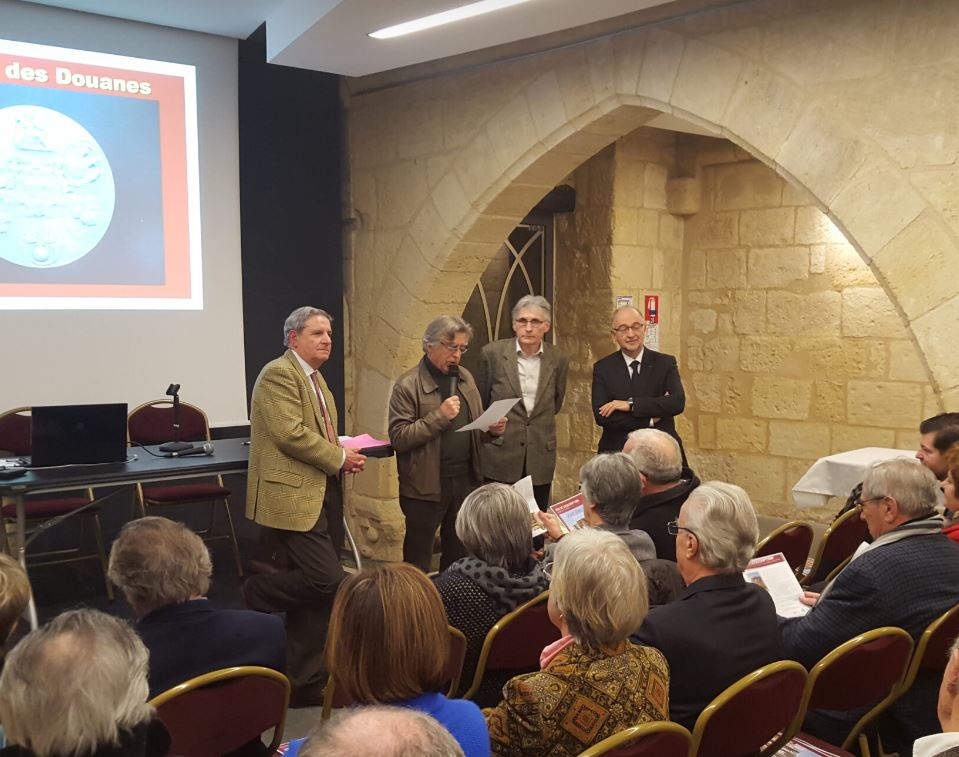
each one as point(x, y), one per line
point(206, 449)
point(454, 375)
point(176, 445)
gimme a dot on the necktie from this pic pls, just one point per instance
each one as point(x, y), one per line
point(634, 377)
point(327, 420)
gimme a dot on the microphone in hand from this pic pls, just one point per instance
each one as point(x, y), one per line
point(206, 449)
point(454, 376)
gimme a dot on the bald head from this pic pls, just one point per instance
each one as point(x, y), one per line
point(657, 456)
point(382, 732)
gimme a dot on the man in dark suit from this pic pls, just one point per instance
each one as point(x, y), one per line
point(907, 577)
point(721, 628)
point(535, 371)
point(163, 569)
point(635, 387)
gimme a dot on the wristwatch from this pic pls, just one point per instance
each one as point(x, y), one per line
point(630, 401)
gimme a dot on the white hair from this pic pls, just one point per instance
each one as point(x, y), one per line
point(73, 685)
point(381, 731)
point(906, 480)
point(657, 455)
point(722, 517)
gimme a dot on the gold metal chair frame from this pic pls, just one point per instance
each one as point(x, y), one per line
point(227, 674)
point(635, 733)
point(821, 548)
point(920, 651)
point(491, 637)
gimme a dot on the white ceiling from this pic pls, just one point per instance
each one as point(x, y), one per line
point(331, 35)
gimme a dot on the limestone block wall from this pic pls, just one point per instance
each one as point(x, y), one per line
point(792, 350)
point(855, 102)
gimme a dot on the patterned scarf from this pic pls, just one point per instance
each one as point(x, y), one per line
point(508, 590)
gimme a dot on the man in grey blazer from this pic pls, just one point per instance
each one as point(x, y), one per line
point(529, 368)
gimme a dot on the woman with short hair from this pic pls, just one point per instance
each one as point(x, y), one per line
point(593, 682)
point(497, 575)
point(388, 643)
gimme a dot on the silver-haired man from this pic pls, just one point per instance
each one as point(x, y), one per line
point(78, 685)
point(380, 731)
point(665, 488)
point(437, 466)
point(721, 627)
point(529, 367)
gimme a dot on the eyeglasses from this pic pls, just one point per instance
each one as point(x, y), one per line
point(534, 322)
point(673, 528)
point(460, 348)
point(862, 502)
point(639, 328)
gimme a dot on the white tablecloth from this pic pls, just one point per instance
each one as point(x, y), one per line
point(836, 475)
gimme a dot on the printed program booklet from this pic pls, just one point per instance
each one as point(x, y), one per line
point(571, 512)
point(775, 576)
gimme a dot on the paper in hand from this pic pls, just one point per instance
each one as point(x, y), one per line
point(524, 487)
point(493, 413)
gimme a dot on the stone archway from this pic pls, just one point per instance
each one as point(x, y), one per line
point(435, 201)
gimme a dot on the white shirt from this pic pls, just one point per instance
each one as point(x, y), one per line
point(629, 361)
point(309, 370)
point(937, 743)
point(528, 368)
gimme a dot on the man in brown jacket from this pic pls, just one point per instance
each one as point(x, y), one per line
point(437, 466)
point(293, 488)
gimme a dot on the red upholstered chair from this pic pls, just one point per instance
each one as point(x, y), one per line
point(219, 712)
point(515, 642)
point(14, 441)
point(793, 539)
point(865, 672)
point(659, 739)
point(334, 699)
point(152, 423)
point(754, 716)
point(836, 547)
point(932, 649)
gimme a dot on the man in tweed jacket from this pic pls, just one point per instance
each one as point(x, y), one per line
point(907, 577)
point(293, 489)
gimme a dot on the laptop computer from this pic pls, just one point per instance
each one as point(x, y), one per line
point(78, 434)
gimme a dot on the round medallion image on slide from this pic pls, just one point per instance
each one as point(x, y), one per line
point(57, 192)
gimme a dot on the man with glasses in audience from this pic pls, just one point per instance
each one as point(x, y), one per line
point(437, 464)
point(534, 370)
point(635, 387)
point(721, 627)
point(907, 577)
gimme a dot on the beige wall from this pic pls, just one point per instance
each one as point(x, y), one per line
point(853, 102)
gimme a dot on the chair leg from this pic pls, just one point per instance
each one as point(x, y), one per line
point(101, 551)
point(236, 545)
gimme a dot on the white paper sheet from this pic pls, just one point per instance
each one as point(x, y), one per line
point(493, 413)
point(524, 488)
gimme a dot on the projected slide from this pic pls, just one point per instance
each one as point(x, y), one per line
point(99, 203)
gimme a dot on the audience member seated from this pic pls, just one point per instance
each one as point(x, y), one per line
point(77, 687)
point(14, 597)
point(721, 627)
point(380, 732)
point(611, 487)
point(907, 577)
point(387, 644)
point(660, 463)
point(951, 524)
point(936, 435)
point(497, 576)
point(945, 744)
point(593, 682)
point(163, 569)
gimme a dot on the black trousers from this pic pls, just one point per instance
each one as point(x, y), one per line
point(305, 591)
point(422, 519)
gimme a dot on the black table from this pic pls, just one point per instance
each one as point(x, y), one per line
point(229, 456)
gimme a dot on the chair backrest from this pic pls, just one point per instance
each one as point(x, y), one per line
point(793, 539)
point(754, 716)
point(515, 641)
point(152, 423)
point(659, 739)
point(838, 543)
point(219, 712)
point(335, 698)
point(15, 431)
point(932, 649)
point(864, 672)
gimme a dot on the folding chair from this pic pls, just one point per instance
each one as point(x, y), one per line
point(836, 548)
point(793, 539)
point(659, 739)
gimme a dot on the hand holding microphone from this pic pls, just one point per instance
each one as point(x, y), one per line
point(451, 405)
